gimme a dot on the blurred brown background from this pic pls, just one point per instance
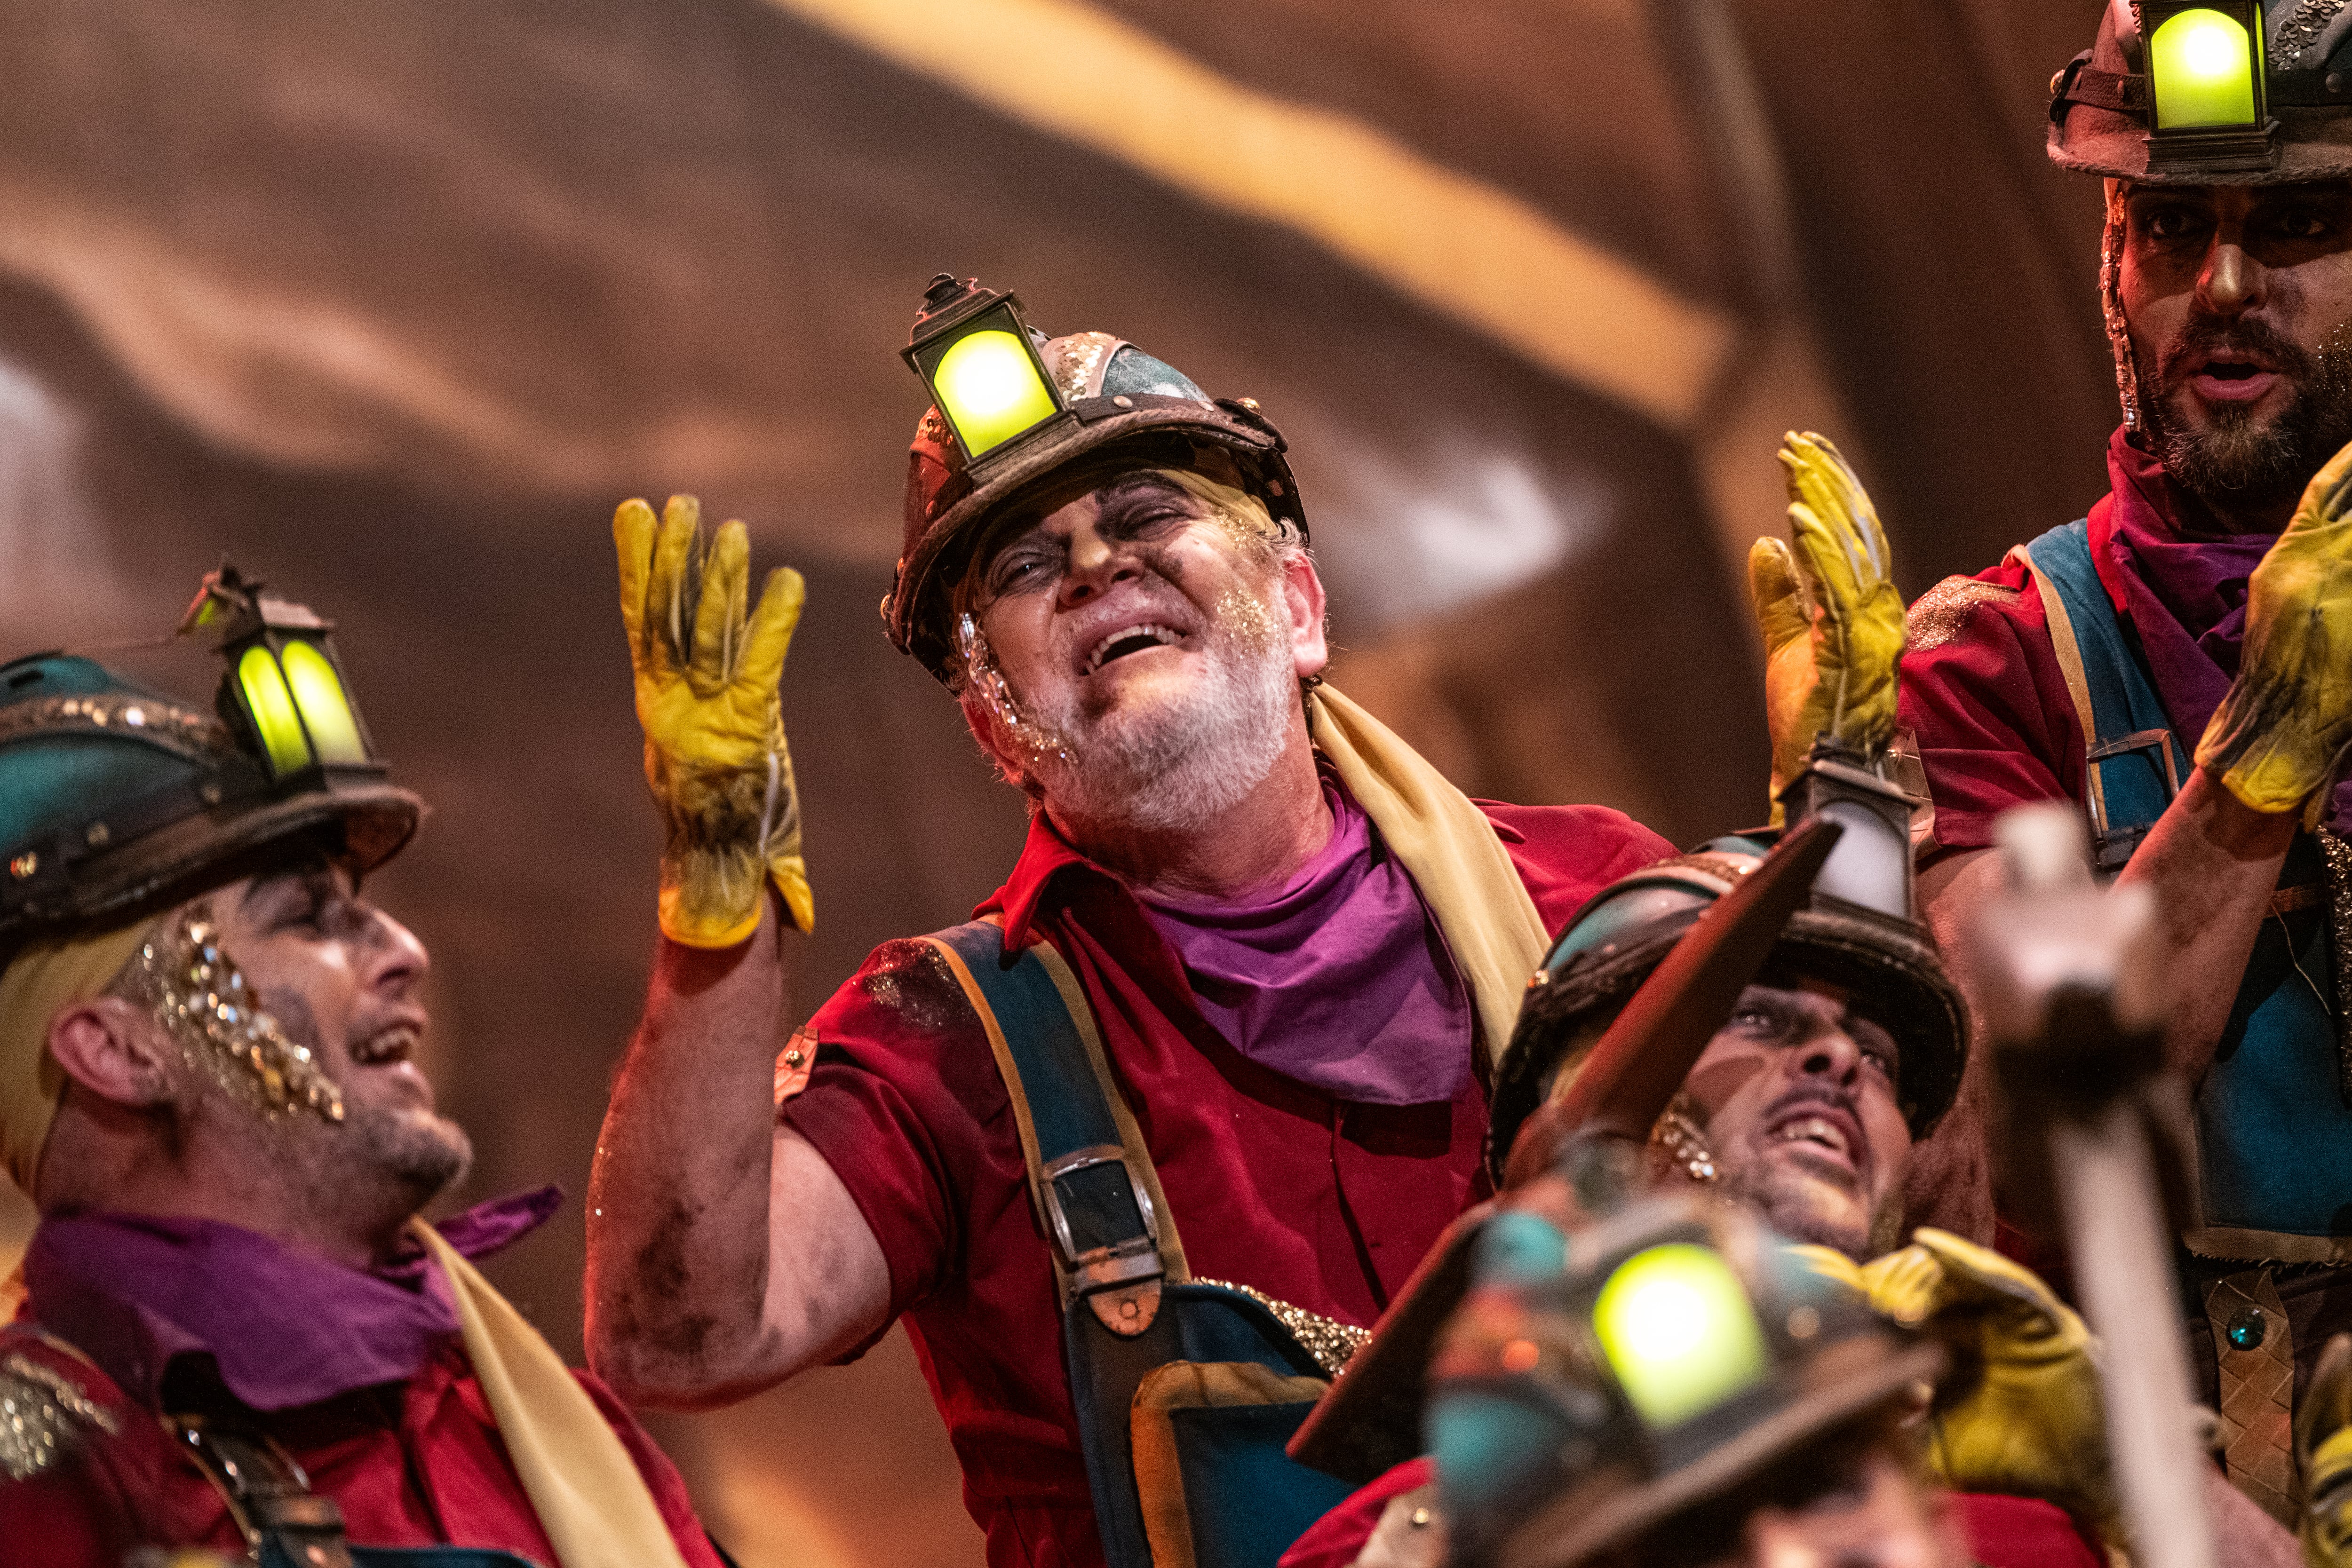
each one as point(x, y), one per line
point(393, 300)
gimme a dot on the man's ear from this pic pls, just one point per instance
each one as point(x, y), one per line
point(1302, 596)
point(113, 1048)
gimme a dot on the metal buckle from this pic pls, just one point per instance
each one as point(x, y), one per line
point(1117, 1263)
point(2111, 848)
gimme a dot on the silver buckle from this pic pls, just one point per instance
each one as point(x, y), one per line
point(1101, 1267)
point(2105, 843)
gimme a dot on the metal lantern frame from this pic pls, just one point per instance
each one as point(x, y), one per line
point(956, 309)
point(284, 691)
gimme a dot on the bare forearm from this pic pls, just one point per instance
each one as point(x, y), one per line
point(2212, 863)
point(679, 1204)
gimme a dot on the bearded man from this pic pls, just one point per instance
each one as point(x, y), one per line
point(232, 1332)
point(2205, 603)
point(1244, 979)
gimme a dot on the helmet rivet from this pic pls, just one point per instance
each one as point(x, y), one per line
point(1248, 402)
point(1122, 401)
point(25, 865)
point(210, 794)
point(2336, 82)
point(96, 834)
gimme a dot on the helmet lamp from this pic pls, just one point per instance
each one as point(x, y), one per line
point(2206, 62)
point(1679, 1332)
point(284, 686)
point(974, 352)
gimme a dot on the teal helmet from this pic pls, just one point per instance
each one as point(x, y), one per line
point(117, 800)
point(1610, 947)
point(1097, 400)
point(1593, 1386)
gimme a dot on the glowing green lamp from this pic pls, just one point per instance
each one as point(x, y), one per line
point(972, 350)
point(283, 685)
point(1675, 1324)
point(2205, 67)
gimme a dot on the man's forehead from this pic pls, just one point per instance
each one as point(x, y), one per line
point(2331, 190)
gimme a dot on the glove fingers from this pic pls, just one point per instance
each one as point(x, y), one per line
point(673, 562)
point(718, 614)
point(633, 542)
point(770, 633)
point(1782, 611)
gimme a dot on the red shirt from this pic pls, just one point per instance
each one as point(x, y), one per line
point(412, 1464)
point(2003, 1531)
point(1323, 1203)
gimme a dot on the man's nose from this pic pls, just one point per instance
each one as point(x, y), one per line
point(395, 954)
point(1829, 1051)
point(2231, 282)
point(1774, 1539)
point(1094, 564)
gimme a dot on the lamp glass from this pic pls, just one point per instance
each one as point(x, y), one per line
point(2203, 65)
point(988, 386)
point(1676, 1326)
point(272, 708)
point(326, 710)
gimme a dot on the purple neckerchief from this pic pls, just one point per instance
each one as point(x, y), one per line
point(2181, 581)
point(1338, 979)
point(285, 1327)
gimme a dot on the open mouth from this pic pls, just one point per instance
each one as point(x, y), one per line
point(1136, 639)
point(387, 1047)
point(2230, 377)
point(1823, 1133)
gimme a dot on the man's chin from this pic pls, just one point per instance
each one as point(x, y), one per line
point(1803, 1207)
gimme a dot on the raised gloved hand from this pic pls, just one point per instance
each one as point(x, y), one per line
point(715, 755)
point(2020, 1412)
point(2323, 1452)
point(2280, 733)
point(1830, 612)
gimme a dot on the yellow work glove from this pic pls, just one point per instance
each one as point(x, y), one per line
point(715, 754)
point(1830, 612)
point(2322, 1451)
point(2280, 733)
point(2020, 1412)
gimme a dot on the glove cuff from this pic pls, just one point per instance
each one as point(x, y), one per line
point(2255, 748)
point(790, 873)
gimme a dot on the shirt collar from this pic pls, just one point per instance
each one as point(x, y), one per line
point(1044, 856)
point(282, 1327)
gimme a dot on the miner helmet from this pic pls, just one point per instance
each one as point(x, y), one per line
point(1858, 930)
point(1593, 1386)
point(1011, 407)
point(2205, 93)
point(117, 800)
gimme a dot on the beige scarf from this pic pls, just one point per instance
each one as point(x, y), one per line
point(588, 1493)
point(1449, 848)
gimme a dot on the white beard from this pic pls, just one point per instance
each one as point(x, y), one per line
point(1178, 767)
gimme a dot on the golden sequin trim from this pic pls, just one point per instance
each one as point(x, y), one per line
point(2336, 857)
point(44, 1415)
point(1332, 1342)
point(201, 997)
point(1077, 357)
point(200, 737)
point(1938, 615)
point(2302, 30)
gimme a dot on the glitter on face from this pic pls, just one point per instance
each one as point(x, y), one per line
point(200, 996)
point(985, 682)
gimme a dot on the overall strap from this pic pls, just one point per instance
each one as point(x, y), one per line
point(1096, 1191)
point(2122, 718)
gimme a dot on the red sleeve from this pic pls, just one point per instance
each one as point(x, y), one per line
point(2025, 1532)
point(1982, 690)
point(662, 1479)
point(896, 1101)
point(1339, 1538)
point(1565, 854)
